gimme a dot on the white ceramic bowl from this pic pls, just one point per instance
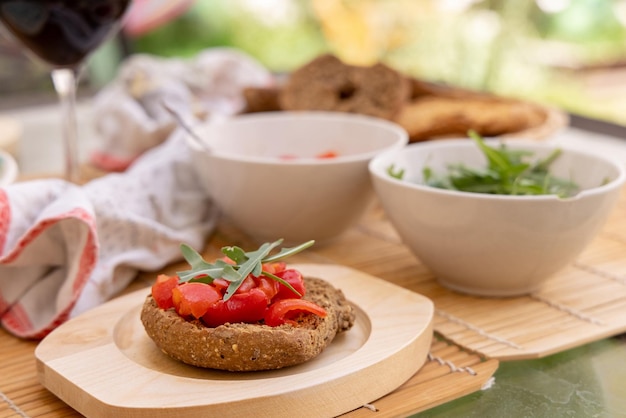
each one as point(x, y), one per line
point(299, 198)
point(8, 169)
point(494, 245)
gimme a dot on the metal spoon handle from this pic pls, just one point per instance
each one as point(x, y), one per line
point(186, 127)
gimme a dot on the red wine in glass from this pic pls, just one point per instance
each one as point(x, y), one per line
point(63, 33)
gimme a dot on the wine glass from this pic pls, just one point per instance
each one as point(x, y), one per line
point(62, 33)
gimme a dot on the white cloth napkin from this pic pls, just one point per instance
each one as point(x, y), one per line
point(131, 118)
point(66, 248)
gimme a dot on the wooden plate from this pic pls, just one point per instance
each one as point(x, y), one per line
point(102, 362)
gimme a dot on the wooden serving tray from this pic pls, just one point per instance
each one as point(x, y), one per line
point(102, 363)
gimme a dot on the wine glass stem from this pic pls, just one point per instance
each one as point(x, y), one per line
point(64, 80)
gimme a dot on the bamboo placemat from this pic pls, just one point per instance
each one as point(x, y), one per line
point(449, 373)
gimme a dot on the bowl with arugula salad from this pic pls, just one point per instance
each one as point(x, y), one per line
point(493, 218)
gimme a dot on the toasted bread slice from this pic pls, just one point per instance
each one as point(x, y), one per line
point(326, 83)
point(430, 117)
point(251, 347)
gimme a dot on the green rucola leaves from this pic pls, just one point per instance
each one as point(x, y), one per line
point(508, 172)
point(202, 271)
point(245, 263)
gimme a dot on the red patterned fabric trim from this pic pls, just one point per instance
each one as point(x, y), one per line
point(109, 163)
point(16, 319)
point(5, 218)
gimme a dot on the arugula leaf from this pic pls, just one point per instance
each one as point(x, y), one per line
point(498, 161)
point(207, 271)
point(395, 173)
point(235, 253)
point(286, 252)
point(253, 264)
point(245, 263)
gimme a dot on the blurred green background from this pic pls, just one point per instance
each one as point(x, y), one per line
point(569, 53)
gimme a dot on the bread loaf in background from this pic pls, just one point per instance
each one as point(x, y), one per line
point(426, 110)
point(326, 83)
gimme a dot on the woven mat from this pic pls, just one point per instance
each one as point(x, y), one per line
point(449, 373)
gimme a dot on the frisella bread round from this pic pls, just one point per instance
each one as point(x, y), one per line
point(245, 312)
point(251, 347)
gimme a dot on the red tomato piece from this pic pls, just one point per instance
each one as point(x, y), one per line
point(284, 310)
point(246, 307)
point(294, 278)
point(162, 290)
point(274, 268)
point(221, 285)
point(268, 286)
point(248, 283)
point(228, 261)
point(194, 298)
point(327, 154)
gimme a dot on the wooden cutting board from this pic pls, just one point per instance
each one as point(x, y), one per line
point(103, 364)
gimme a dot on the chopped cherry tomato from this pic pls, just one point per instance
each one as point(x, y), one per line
point(284, 310)
point(268, 286)
point(274, 268)
point(221, 285)
point(194, 298)
point(327, 154)
point(247, 307)
point(294, 278)
point(228, 261)
point(248, 283)
point(162, 290)
point(321, 155)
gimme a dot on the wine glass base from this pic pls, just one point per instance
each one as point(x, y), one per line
point(65, 81)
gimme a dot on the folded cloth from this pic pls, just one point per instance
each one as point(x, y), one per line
point(66, 248)
point(131, 118)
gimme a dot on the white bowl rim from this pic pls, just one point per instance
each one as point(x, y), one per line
point(402, 137)
point(377, 170)
point(8, 169)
